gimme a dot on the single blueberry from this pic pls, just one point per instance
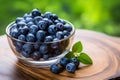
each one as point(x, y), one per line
point(33, 29)
point(37, 19)
point(25, 54)
point(36, 12)
point(48, 15)
point(56, 21)
point(64, 61)
point(68, 28)
point(60, 26)
point(54, 45)
point(18, 46)
point(55, 16)
point(21, 24)
point(43, 49)
point(22, 37)
point(66, 33)
point(30, 24)
point(63, 21)
point(52, 29)
point(71, 67)
point(24, 30)
point(18, 19)
point(28, 19)
point(28, 48)
point(36, 55)
point(48, 38)
point(26, 15)
point(40, 35)
point(55, 39)
point(42, 25)
point(48, 21)
point(45, 56)
point(36, 46)
point(75, 61)
point(14, 32)
point(30, 37)
point(54, 68)
point(59, 35)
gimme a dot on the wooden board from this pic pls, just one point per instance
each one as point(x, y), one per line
point(104, 51)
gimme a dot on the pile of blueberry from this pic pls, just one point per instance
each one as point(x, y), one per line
point(38, 28)
point(69, 64)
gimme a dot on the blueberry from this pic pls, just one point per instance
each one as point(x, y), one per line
point(28, 48)
point(64, 61)
point(68, 27)
point(28, 19)
point(42, 25)
point(66, 33)
point(45, 56)
point(48, 15)
point(43, 49)
point(30, 24)
point(25, 54)
point(56, 21)
point(18, 19)
point(48, 21)
point(23, 30)
point(37, 19)
point(14, 32)
point(33, 29)
point(18, 46)
point(22, 37)
point(26, 15)
point(55, 39)
point(36, 12)
point(40, 35)
point(60, 26)
point(30, 37)
point(36, 55)
point(54, 45)
point(36, 46)
point(71, 67)
point(48, 38)
point(55, 16)
point(52, 29)
point(59, 35)
point(55, 69)
point(21, 24)
point(75, 61)
point(63, 21)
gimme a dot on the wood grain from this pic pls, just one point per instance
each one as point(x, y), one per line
point(103, 49)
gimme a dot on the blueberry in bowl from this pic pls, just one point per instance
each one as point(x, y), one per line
point(38, 39)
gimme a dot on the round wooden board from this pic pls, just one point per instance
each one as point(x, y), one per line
point(104, 51)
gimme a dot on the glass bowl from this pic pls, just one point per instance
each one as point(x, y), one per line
point(56, 49)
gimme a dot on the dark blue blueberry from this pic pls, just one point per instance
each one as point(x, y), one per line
point(37, 19)
point(68, 28)
point(55, 69)
point(63, 21)
point(22, 37)
point(71, 67)
point(36, 55)
point(55, 39)
point(36, 12)
point(40, 35)
point(18, 46)
point(56, 21)
point(28, 48)
point(52, 29)
point(43, 49)
point(30, 37)
point(28, 19)
point(26, 15)
point(64, 61)
point(59, 35)
point(30, 24)
point(18, 19)
point(33, 29)
point(48, 15)
point(21, 24)
point(60, 26)
point(14, 32)
point(42, 25)
point(24, 30)
point(55, 16)
point(48, 21)
point(66, 33)
point(25, 54)
point(48, 38)
point(45, 56)
point(75, 61)
point(36, 46)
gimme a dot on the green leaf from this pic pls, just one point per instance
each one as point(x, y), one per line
point(85, 59)
point(70, 55)
point(77, 47)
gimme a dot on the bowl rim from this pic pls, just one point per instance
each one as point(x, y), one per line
point(9, 27)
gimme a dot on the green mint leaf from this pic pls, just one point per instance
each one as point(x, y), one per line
point(70, 55)
point(84, 58)
point(77, 47)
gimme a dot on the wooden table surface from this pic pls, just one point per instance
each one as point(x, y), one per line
point(103, 49)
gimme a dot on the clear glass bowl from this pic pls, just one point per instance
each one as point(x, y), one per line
point(57, 49)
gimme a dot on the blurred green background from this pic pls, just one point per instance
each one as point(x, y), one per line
point(98, 15)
